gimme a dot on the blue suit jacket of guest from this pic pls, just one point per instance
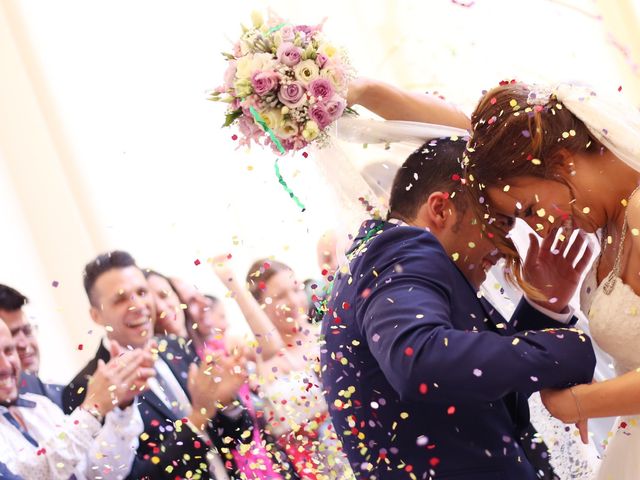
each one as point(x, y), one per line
point(426, 380)
point(31, 383)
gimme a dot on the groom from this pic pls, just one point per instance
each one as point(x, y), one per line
point(423, 377)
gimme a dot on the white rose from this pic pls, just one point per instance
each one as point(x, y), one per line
point(306, 71)
point(273, 118)
point(287, 129)
point(262, 62)
point(244, 67)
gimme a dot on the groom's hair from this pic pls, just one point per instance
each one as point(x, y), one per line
point(434, 167)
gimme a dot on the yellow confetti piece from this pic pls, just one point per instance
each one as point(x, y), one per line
point(586, 210)
point(565, 135)
point(515, 341)
point(539, 227)
point(536, 161)
point(624, 202)
point(635, 232)
point(155, 460)
point(513, 103)
point(551, 219)
point(455, 256)
point(472, 245)
point(541, 212)
point(404, 415)
point(506, 188)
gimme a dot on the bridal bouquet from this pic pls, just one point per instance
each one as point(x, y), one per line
point(285, 85)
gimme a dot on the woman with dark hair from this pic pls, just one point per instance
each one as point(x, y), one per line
point(170, 316)
point(290, 381)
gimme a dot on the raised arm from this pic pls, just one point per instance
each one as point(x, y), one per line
point(267, 336)
point(393, 103)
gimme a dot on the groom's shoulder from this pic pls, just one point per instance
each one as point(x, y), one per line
point(408, 240)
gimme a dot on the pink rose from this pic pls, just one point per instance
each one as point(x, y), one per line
point(291, 94)
point(264, 82)
point(319, 114)
point(321, 59)
point(321, 88)
point(335, 107)
point(307, 29)
point(288, 33)
point(289, 54)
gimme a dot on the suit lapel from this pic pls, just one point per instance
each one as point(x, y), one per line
point(154, 400)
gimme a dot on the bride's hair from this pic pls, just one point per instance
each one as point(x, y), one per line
point(519, 132)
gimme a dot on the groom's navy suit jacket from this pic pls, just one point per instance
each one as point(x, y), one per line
point(425, 378)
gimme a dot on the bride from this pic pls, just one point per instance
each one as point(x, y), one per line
point(563, 157)
point(569, 156)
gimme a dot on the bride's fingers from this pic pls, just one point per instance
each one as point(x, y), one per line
point(583, 428)
point(534, 249)
point(563, 240)
point(576, 246)
point(583, 263)
point(548, 240)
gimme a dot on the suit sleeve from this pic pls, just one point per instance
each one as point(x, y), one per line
point(182, 454)
point(526, 317)
point(406, 319)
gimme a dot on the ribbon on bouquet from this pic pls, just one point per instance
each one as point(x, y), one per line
point(260, 121)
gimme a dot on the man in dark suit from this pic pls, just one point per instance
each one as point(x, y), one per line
point(423, 377)
point(186, 406)
point(23, 332)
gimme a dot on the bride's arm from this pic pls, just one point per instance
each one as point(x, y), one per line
point(611, 398)
point(393, 103)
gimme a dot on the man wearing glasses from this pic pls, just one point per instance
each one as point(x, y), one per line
point(11, 311)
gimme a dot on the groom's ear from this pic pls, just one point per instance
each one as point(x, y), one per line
point(438, 211)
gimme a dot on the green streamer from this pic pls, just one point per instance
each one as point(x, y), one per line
point(286, 187)
point(276, 28)
point(260, 121)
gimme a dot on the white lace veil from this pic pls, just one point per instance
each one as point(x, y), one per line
point(360, 163)
point(613, 121)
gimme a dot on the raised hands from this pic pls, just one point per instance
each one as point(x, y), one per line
point(215, 383)
point(556, 272)
point(118, 381)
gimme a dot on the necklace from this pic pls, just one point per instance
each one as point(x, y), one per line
point(610, 281)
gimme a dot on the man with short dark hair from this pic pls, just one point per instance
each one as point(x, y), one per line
point(13, 314)
point(423, 377)
point(186, 405)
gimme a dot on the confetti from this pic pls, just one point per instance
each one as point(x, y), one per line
point(196, 262)
point(55, 284)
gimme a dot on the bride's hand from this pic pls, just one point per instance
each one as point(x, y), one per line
point(562, 404)
point(552, 271)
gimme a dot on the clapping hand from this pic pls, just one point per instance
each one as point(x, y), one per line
point(556, 272)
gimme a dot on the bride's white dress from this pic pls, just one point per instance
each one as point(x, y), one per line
point(614, 321)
